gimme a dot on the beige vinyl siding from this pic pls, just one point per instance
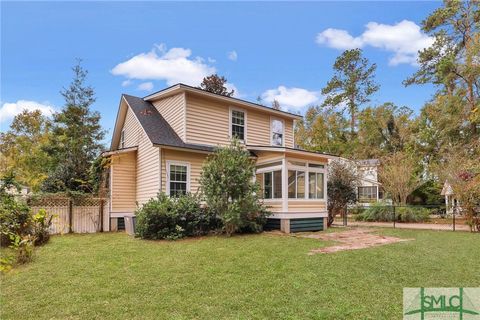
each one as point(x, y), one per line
point(148, 159)
point(148, 170)
point(196, 162)
point(258, 128)
point(123, 182)
point(266, 156)
point(289, 143)
point(208, 123)
point(173, 111)
point(306, 206)
point(274, 206)
point(133, 130)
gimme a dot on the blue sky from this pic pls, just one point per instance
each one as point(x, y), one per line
point(274, 50)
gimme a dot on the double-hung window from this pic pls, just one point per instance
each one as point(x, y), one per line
point(238, 124)
point(277, 127)
point(178, 179)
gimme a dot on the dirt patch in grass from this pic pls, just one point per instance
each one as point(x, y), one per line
point(353, 239)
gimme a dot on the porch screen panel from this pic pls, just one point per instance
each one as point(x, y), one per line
point(315, 185)
point(268, 185)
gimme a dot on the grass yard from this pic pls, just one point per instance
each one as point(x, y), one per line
point(114, 276)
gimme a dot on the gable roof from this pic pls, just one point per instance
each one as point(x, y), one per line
point(186, 88)
point(156, 127)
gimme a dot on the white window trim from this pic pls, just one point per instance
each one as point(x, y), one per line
point(122, 139)
point(324, 190)
point(307, 170)
point(245, 134)
point(271, 131)
point(271, 170)
point(178, 163)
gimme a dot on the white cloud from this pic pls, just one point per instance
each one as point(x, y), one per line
point(293, 98)
point(126, 83)
point(230, 87)
point(232, 55)
point(338, 39)
point(10, 109)
point(174, 66)
point(403, 39)
point(146, 86)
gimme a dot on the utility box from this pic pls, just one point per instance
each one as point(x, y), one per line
point(130, 225)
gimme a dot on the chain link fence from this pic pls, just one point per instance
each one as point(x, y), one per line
point(427, 217)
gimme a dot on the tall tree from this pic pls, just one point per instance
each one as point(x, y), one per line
point(324, 130)
point(77, 136)
point(343, 180)
point(216, 84)
point(399, 176)
point(351, 85)
point(383, 130)
point(452, 61)
point(23, 148)
point(462, 172)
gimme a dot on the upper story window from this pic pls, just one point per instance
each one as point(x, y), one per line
point(122, 139)
point(237, 119)
point(277, 127)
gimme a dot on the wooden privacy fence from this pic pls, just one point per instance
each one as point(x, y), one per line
point(79, 215)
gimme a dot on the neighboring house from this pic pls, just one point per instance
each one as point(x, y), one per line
point(20, 191)
point(160, 142)
point(369, 190)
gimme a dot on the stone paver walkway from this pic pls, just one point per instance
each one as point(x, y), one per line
point(352, 239)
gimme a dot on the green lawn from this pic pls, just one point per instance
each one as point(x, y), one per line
point(114, 276)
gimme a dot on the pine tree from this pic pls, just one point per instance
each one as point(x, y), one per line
point(452, 61)
point(352, 84)
point(77, 137)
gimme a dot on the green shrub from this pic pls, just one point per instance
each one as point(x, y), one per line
point(227, 185)
point(15, 218)
point(41, 225)
point(174, 218)
point(20, 230)
point(412, 214)
point(379, 212)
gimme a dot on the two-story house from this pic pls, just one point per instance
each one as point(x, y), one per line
point(160, 142)
point(370, 189)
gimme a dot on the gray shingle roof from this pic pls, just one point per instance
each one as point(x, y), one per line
point(157, 128)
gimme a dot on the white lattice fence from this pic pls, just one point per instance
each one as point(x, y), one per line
point(82, 215)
